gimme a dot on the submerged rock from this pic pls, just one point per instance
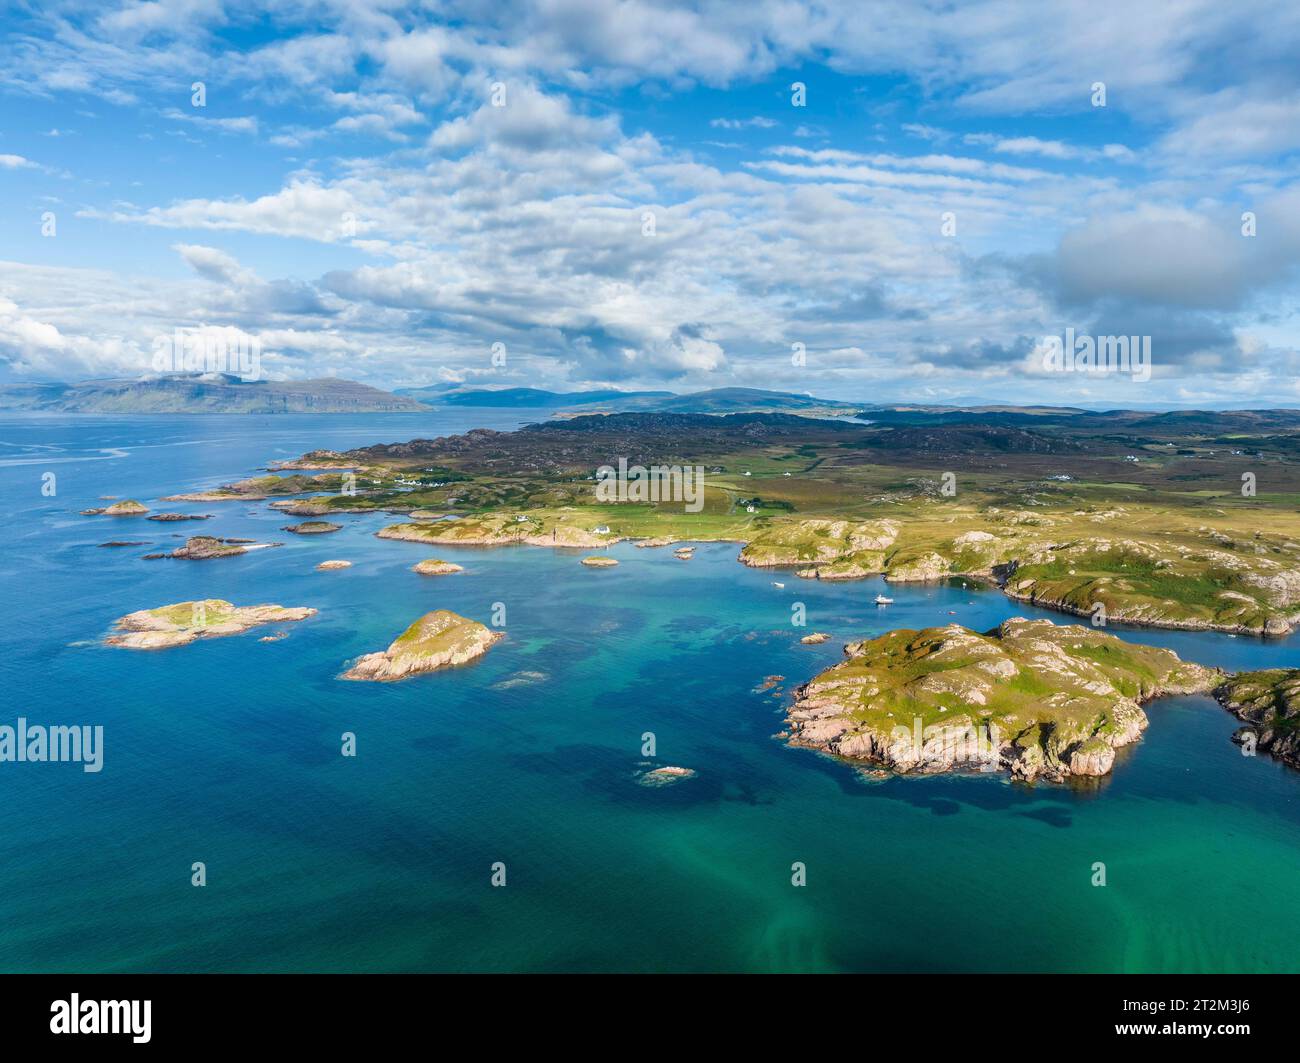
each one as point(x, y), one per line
point(439, 639)
point(664, 776)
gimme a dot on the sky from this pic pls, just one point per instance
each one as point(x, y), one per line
point(885, 201)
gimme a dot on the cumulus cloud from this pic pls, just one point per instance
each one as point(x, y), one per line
point(589, 233)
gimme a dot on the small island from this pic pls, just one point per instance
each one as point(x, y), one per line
point(665, 776)
point(205, 547)
point(127, 508)
point(599, 561)
point(435, 567)
point(439, 639)
point(313, 527)
point(1036, 699)
point(185, 622)
point(330, 566)
point(171, 517)
point(1269, 703)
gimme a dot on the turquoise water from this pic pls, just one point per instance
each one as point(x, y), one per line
point(227, 752)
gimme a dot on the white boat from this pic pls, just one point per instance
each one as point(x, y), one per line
point(882, 600)
point(780, 585)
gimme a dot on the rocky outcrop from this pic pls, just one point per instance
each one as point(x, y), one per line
point(126, 508)
point(435, 567)
point(318, 461)
point(665, 776)
point(815, 639)
point(330, 566)
point(831, 549)
point(212, 496)
point(1269, 703)
point(173, 517)
point(925, 567)
point(497, 531)
point(599, 562)
point(297, 507)
point(1032, 698)
point(440, 639)
point(205, 547)
point(1160, 585)
point(185, 622)
point(313, 527)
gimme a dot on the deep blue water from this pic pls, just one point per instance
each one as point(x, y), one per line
point(227, 752)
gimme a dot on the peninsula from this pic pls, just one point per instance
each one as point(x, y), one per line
point(1166, 520)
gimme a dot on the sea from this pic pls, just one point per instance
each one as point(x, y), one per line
point(493, 817)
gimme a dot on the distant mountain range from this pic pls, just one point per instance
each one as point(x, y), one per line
point(715, 400)
point(205, 393)
point(222, 393)
point(531, 398)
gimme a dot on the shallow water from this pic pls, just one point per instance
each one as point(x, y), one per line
point(227, 752)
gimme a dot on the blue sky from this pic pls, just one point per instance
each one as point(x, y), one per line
point(352, 195)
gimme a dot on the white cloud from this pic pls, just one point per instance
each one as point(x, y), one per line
point(453, 223)
point(757, 122)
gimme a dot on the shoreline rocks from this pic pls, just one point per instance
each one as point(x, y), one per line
point(1268, 702)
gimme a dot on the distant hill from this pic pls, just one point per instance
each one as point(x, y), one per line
point(205, 393)
point(716, 400)
point(534, 398)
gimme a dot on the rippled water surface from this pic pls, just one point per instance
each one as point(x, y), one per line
point(227, 752)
